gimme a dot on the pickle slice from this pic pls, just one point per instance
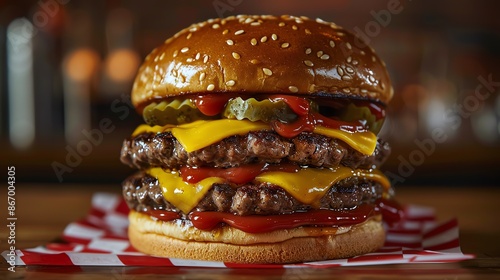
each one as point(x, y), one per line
point(354, 113)
point(255, 110)
point(172, 112)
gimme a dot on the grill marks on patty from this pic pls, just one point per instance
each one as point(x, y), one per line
point(142, 193)
point(163, 150)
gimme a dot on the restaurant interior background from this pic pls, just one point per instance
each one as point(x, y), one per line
point(67, 66)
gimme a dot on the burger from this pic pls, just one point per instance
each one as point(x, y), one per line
point(260, 144)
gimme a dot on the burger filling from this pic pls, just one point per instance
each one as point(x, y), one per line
point(216, 155)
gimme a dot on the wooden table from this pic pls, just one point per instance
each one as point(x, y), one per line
point(44, 210)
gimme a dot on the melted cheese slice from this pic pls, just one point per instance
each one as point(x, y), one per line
point(308, 185)
point(182, 195)
point(200, 134)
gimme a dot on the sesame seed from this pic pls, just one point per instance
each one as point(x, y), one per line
point(354, 62)
point(193, 29)
point(230, 83)
point(308, 51)
point(293, 89)
point(202, 76)
point(319, 53)
point(162, 56)
point(230, 42)
point(205, 59)
point(263, 39)
point(241, 31)
point(341, 34)
point(210, 87)
point(349, 70)
point(197, 56)
point(274, 37)
point(182, 78)
point(340, 71)
point(253, 42)
point(325, 57)
point(349, 59)
point(348, 45)
point(373, 58)
point(362, 52)
point(332, 44)
point(176, 52)
point(307, 31)
point(311, 87)
point(346, 78)
point(189, 59)
point(371, 78)
point(215, 26)
point(255, 23)
point(189, 35)
point(184, 50)
point(225, 31)
point(318, 20)
point(285, 45)
point(294, 27)
point(346, 90)
point(254, 61)
point(281, 24)
point(223, 21)
point(248, 20)
point(308, 63)
point(363, 90)
point(236, 55)
point(267, 71)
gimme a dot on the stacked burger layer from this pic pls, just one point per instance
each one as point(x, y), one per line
point(260, 144)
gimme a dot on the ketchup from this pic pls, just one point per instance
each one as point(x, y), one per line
point(390, 210)
point(238, 175)
point(163, 215)
point(211, 104)
point(307, 120)
point(257, 224)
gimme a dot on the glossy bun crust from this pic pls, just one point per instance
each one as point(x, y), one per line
point(263, 54)
point(151, 237)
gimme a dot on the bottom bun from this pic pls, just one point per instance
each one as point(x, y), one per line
point(359, 239)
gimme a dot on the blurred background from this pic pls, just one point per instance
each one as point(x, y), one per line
point(67, 66)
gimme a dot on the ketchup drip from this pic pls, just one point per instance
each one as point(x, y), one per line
point(238, 175)
point(163, 215)
point(391, 213)
point(211, 104)
point(307, 120)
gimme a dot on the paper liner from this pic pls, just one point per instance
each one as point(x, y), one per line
point(100, 239)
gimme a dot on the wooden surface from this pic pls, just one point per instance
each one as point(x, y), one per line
point(43, 211)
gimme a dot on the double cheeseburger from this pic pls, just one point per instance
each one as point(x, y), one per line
point(260, 144)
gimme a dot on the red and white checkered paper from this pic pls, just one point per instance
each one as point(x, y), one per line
point(100, 239)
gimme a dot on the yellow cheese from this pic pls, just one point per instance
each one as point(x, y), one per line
point(308, 185)
point(363, 142)
point(182, 195)
point(200, 134)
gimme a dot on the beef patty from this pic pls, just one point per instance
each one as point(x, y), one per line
point(142, 193)
point(164, 150)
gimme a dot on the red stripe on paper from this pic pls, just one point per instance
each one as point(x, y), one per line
point(143, 260)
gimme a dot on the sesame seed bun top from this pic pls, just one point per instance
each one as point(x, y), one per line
point(263, 54)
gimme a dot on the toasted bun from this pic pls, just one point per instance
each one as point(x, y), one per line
point(150, 237)
point(263, 54)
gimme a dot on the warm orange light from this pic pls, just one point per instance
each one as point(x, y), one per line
point(121, 65)
point(81, 64)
